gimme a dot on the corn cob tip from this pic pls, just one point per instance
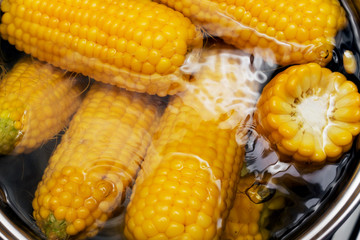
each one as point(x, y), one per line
point(322, 54)
point(9, 135)
point(55, 229)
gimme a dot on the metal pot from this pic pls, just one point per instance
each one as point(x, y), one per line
point(16, 190)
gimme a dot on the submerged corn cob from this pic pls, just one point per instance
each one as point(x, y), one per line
point(95, 162)
point(309, 113)
point(135, 44)
point(188, 178)
point(36, 102)
point(287, 31)
point(244, 217)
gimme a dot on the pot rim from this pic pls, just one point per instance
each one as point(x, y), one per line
point(335, 214)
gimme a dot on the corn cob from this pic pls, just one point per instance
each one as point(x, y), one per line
point(95, 162)
point(244, 216)
point(36, 102)
point(309, 113)
point(187, 181)
point(284, 31)
point(134, 44)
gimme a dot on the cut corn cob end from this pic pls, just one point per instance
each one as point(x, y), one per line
point(309, 113)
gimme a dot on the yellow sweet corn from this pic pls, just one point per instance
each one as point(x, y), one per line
point(244, 217)
point(187, 181)
point(36, 102)
point(96, 161)
point(309, 113)
point(284, 31)
point(134, 44)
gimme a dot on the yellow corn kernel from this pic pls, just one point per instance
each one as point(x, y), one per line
point(307, 145)
point(323, 117)
point(339, 136)
point(347, 114)
point(298, 32)
point(36, 102)
point(192, 166)
point(292, 144)
point(275, 120)
point(289, 129)
point(110, 41)
point(352, 99)
point(96, 161)
point(350, 63)
point(277, 105)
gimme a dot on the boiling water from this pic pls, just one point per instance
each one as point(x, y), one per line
point(306, 188)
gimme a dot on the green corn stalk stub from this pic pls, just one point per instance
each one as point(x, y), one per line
point(55, 229)
point(8, 135)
